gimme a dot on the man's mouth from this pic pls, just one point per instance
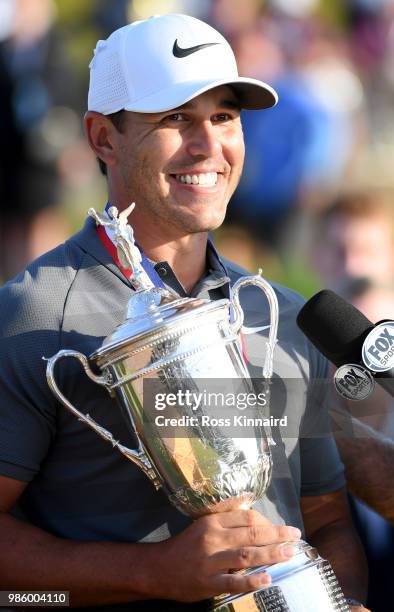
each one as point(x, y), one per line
point(205, 179)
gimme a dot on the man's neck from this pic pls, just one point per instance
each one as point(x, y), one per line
point(186, 256)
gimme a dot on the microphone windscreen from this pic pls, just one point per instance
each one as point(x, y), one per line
point(335, 327)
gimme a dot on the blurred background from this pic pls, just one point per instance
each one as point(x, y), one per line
point(315, 206)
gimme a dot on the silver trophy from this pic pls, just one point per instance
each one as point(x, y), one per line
point(175, 343)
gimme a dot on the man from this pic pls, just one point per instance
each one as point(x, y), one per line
point(353, 253)
point(354, 239)
point(368, 457)
point(76, 515)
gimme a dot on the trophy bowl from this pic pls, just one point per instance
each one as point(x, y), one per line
point(179, 345)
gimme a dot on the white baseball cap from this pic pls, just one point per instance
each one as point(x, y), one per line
point(163, 62)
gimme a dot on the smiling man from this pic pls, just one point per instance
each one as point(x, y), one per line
point(180, 167)
point(164, 121)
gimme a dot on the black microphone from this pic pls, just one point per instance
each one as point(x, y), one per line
point(345, 336)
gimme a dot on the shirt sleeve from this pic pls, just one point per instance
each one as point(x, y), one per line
point(321, 468)
point(27, 410)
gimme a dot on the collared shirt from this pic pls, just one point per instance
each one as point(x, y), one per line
point(213, 285)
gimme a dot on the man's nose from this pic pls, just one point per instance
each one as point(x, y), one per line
point(204, 140)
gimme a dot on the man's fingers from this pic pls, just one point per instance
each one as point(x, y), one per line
point(253, 556)
point(241, 518)
point(261, 535)
point(239, 583)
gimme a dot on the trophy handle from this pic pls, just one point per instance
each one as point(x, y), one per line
point(138, 456)
point(236, 325)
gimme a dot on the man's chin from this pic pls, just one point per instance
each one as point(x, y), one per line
point(204, 222)
point(199, 228)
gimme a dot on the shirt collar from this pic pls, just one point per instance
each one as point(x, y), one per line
point(214, 284)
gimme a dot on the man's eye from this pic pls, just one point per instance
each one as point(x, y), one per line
point(175, 117)
point(223, 117)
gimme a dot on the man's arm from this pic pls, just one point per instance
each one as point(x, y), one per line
point(369, 458)
point(190, 566)
point(329, 527)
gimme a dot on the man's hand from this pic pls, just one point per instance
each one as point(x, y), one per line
point(198, 563)
point(193, 565)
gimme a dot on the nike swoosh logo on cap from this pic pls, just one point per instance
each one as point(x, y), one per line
point(179, 52)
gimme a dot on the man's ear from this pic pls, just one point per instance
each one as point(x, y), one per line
point(100, 133)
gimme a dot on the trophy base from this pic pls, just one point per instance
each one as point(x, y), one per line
point(305, 583)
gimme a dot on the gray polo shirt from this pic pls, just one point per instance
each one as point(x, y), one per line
point(79, 486)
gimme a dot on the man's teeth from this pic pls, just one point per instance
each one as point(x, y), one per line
point(208, 179)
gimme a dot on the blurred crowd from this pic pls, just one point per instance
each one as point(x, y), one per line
point(315, 206)
point(331, 134)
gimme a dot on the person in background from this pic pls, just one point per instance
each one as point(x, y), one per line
point(354, 239)
point(353, 253)
point(35, 87)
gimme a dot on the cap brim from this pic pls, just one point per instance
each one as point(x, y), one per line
point(253, 95)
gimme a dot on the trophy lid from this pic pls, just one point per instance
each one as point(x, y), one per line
point(153, 310)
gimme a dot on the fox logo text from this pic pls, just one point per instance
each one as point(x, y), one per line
point(378, 348)
point(353, 382)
